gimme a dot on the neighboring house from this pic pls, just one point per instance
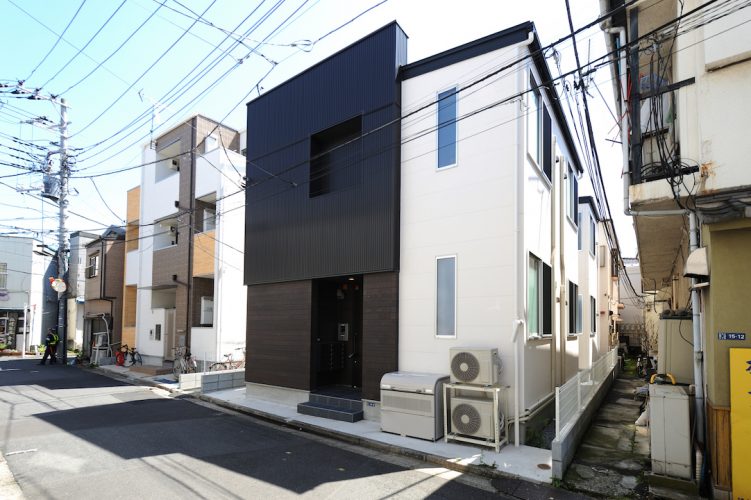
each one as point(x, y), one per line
point(683, 92)
point(636, 312)
point(77, 286)
point(394, 215)
point(26, 299)
point(103, 289)
point(183, 266)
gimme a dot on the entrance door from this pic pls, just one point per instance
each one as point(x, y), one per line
point(337, 330)
point(169, 334)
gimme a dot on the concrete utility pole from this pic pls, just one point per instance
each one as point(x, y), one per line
point(62, 248)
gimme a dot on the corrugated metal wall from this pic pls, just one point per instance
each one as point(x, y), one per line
point(292, 236)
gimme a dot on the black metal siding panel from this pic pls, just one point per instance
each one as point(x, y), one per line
point(291, 236)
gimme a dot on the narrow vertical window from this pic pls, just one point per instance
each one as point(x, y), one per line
point(572, 194)
point(533, 296)
point(3, 275)
point(579, 232)
point(539, 297)
point(593, 314)
point(592, 236)
point(446, 297)
point(447, 128)
point(574, 307)
point(534, 123)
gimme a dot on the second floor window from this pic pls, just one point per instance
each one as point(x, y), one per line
point(93, 268)
point(446, 296)
point(572, 194)
point(447, 128)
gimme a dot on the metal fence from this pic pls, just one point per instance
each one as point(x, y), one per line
point(575, 395)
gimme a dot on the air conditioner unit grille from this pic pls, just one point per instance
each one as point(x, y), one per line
point(466, 419)
point(406, 403)
point(465, 366)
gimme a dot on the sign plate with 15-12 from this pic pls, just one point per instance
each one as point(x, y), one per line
point(731, 336)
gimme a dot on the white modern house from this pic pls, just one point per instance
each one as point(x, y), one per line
point(183, 269)
point(489, 221)
point(28, 305)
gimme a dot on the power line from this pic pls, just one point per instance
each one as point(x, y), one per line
point(112, 54)
point(57, 41)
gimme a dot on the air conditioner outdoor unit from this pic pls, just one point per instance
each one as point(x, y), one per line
point(473, 417)
point(479, 366)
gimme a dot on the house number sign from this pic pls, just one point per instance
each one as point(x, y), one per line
point(731, 336)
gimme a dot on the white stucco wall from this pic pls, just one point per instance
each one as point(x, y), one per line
point(466, 210)
point(713, 113)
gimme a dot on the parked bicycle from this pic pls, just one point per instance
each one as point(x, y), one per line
point(184, 362)
point(122, 354)
point(229, 363)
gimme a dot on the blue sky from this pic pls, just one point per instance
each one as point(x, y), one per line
point(111, 109)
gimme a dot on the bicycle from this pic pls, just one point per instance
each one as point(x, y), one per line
point(229, 363)
point(122, 354)
point(184, 362)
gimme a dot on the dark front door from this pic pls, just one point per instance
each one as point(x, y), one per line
point(337, 332)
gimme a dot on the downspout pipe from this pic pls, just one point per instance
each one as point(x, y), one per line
point(696, 325)
point(519, 256)
point(516, 325)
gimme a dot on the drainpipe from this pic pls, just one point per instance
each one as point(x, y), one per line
point(519, 247)
point(516, 327)
point(696, 323)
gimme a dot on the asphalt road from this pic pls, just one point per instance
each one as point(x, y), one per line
point(71, 433)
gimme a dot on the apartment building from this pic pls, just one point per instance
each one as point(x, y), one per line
point(183, 259)
point(103, 288)
point(28, 305)
point(403, 212)
point(681, 86)
point(77, 265)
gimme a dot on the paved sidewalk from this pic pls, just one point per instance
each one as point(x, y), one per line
point(522, 472)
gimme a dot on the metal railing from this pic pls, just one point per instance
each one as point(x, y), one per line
point(573, 396)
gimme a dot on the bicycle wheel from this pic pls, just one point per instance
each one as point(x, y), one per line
point(137, 359)
point(119, 358)
point(215, 367)
point(177, 368)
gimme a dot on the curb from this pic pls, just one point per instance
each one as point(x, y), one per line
point(9, 488)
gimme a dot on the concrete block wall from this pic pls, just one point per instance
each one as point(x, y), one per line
point(228, 379)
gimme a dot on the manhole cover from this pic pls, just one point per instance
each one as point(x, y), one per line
point(543, 466)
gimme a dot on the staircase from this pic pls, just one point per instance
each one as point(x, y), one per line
point(339, 408)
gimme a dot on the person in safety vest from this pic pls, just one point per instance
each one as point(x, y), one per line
point(51, 350)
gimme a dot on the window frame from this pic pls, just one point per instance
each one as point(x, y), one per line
point(442, 125)
point(574, 309)
point(3, 275)
point(535, 106)
point(593, 316)
point(544, 297)
point(572, 194)
point(92, 270)
point(439, 258)
point(592, 236)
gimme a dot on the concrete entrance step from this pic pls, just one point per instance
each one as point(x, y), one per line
point(335, 408)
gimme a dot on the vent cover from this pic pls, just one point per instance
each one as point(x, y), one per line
point(473, 365)
point(465, 366)
point(466, 419)
point(472, 416)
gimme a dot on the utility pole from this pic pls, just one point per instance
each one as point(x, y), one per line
point(62, 248)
